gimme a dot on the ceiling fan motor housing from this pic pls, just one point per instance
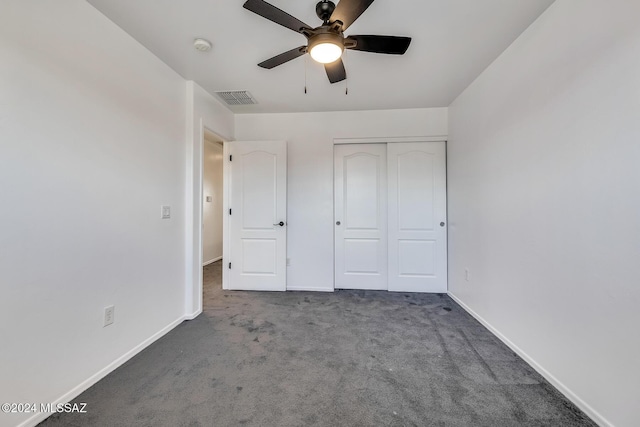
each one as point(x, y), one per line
point(326, 35)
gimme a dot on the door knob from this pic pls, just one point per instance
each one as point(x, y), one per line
point(442, 224)
point(281, 224)
point(337, 222)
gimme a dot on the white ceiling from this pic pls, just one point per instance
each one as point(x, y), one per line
point(453, 42)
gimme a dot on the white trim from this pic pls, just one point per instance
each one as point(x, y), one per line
point(585, 407)
point(190, 281)
point(84, 385)
point(199, 218)
point(211, 261)
point(391, 140)
point(333, 214)
point(226, 189)
point(193, 315)
point(309, 289)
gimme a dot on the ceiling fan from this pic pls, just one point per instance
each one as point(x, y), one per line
point(327, 42)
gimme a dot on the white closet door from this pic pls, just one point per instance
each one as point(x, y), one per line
point(257, 225)
point(417, 217)
point(360, 216)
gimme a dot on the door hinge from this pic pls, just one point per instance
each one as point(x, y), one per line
point(231, 158)
point(229, 211)
point(229, 266)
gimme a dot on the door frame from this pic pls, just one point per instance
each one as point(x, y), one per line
point(193, 212)
point(220, 142)
point(226, 241)
point(389, 140)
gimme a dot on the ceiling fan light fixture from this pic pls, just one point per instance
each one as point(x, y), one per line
point(326, 47)
point(326, 53)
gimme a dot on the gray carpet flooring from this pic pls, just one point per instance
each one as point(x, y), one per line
point(349, 358)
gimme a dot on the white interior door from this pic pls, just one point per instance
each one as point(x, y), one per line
point(417, 217)
point(257, 221)
point(360, 216)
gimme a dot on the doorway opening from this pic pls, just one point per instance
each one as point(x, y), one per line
point(212, 213)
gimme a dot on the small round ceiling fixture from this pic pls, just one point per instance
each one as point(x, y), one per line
point(202, 45)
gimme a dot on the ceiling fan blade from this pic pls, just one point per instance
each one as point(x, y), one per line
point(347, 11)
point(274, 14)
point(335, 71)
point(283, 57)
point(380, 44)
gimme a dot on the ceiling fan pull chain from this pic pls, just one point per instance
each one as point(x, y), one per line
point(305, 75)
point(346, 81)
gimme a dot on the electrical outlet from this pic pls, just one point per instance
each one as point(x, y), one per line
point(166, 212)
point(466, 274)
point(109, 315)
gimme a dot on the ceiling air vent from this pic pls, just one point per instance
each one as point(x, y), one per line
point(237, 97)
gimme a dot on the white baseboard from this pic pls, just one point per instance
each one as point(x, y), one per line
point(585, 407)
point(211, 261)
point(193, 315)
point(309, 289)
point(77, 390)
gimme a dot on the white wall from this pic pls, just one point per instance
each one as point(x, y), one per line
point(310, 174)
point(212, 211)
point(92, 143)
point(544, 201)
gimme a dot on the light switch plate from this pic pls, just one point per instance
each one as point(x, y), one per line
point(209, 198)
point(109, 315)
point(166, 212)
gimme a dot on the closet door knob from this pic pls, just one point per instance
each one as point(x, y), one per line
point(442, 224)
point(337, 222)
